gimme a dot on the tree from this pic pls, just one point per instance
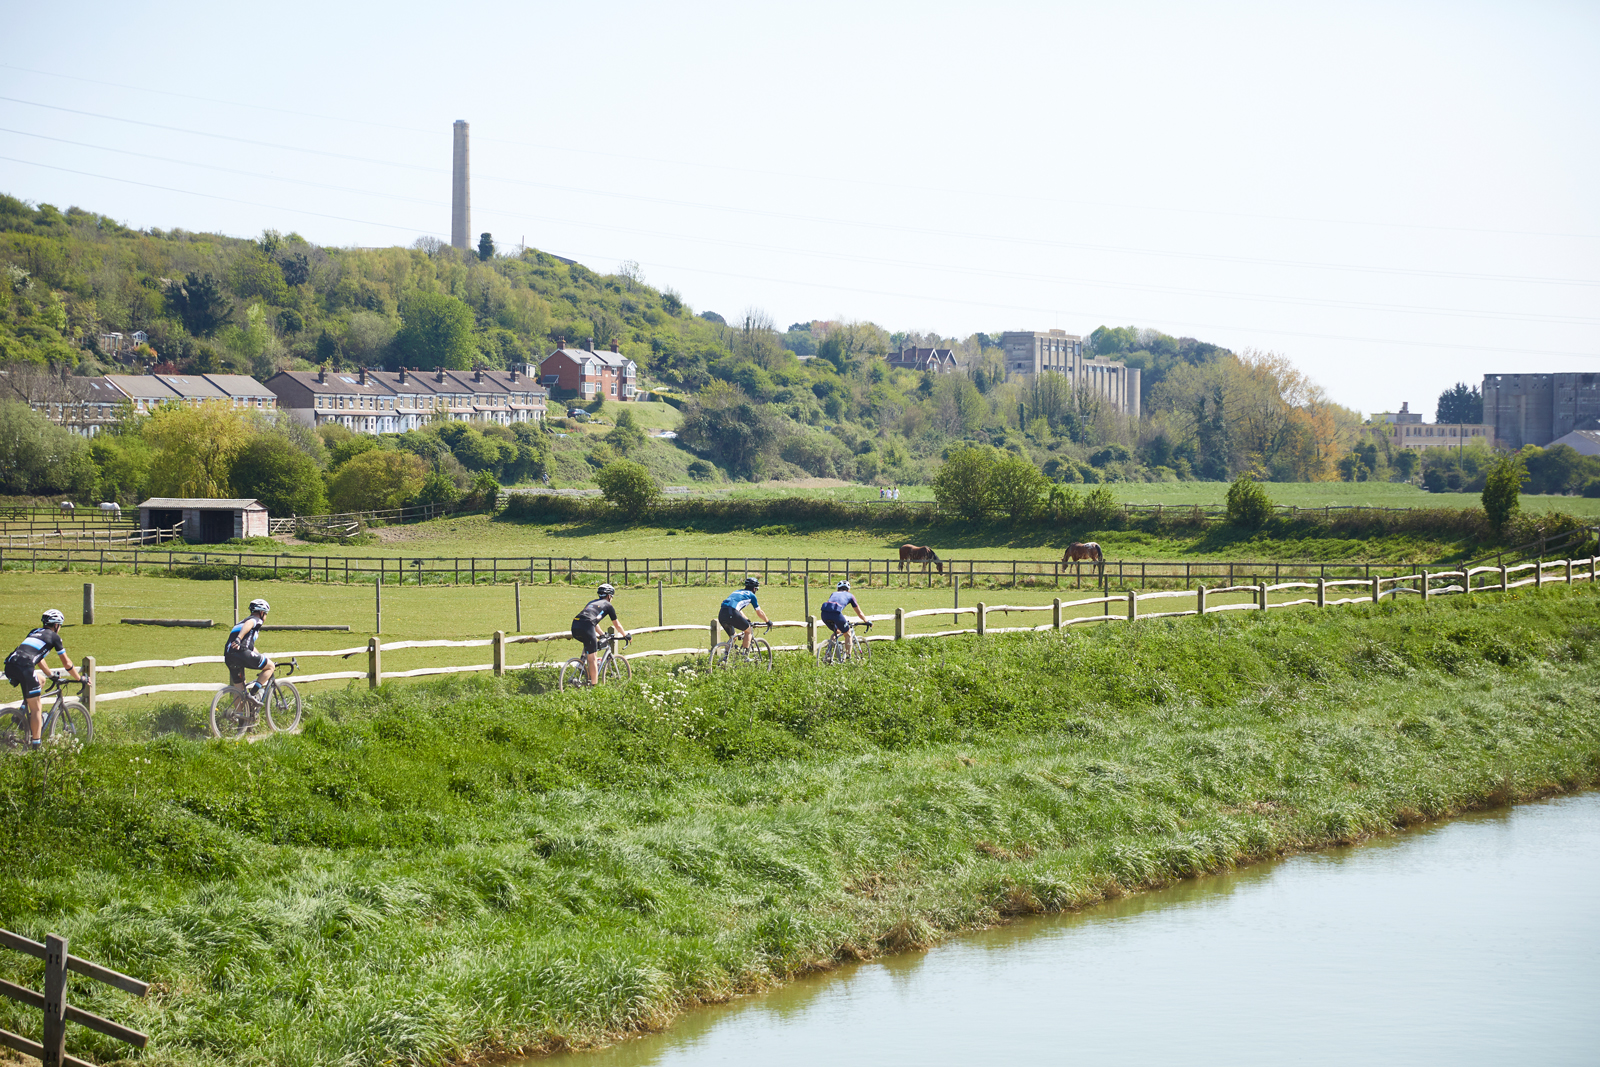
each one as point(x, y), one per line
point(377, 480)
point(281, 476)
point(194, 448)
point(37, 456)
point(1405, 463)
point(963, 484)
point(625, 435)
point(1503, 489)
point(200, 303)
point(1460, 403)
point(1016, 486)
point(436, 331)
point(485, 246)
point(628, 486)
point(1248, 503)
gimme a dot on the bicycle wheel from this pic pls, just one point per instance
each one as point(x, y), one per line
point(760, 653)
point(73, 720)
point(616, 669)
point(232, 712)
point(860, 651)
point(283, 710)
point(830, 651)
point(573, 676)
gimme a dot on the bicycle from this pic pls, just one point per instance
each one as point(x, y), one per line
point(609, 667)
point(234, 712)
point(860, 652)
point(66, 715)
point(732, 653)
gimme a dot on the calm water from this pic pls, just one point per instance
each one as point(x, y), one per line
point(1474, 942)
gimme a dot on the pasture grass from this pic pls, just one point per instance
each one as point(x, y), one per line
point(476, 866)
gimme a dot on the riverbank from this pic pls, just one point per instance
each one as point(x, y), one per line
point(446, 871)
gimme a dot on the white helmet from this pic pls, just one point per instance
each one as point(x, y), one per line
point(259, 605)
point(845, 585)
point(53, 618)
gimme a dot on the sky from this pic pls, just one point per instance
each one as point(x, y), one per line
point(1395, 196)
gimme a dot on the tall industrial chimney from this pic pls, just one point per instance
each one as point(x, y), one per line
point(461, 194)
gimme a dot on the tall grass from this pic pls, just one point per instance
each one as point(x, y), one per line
point(437, 871)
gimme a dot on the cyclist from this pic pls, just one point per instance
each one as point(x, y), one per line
point(22, 667)
point(833, 613)
point(239, 651)
point(586, 627)
point(731, 614)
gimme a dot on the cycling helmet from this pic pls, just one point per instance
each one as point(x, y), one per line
point(606, 589)
point(259, 605)
point(752, 584)
point(845, 585)
point(53, 618)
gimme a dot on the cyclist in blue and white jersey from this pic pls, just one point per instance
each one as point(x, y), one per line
point(22, 667)
point(731, 614)
point(833, 612)
point(239, 651)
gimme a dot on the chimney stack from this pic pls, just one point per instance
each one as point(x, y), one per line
point(363, 376)
point(561, 342)
point(402, 376)
point(322, 374)
point(591, 344)
point(461, 191)
point(439, 375)
point(477, 375)
point(513, 372)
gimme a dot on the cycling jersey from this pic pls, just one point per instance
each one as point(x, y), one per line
point(239, 641)
point(737, 600)
point(36, 646)
point(836, 603)
point(595, 610)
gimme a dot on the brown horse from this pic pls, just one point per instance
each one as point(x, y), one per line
point(919, 554)
point(1079, 551)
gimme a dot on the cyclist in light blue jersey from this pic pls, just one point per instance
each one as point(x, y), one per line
point(731, 614)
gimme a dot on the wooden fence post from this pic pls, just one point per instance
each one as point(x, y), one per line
point(499, 653)
point(713, 651)
point(1200, 599)
point(1504, 581)
point(55, 1001)
point(811, 634)
point(1261, 595)
point(1569, 572)
point(88, 603)
point(235, 615)
point(661, 605)
point(899, 624)
point(1133, 605)
point(377, 594)
point(1055, 613)
point(983, 619)
point(516, 591)
point(1425, 578)
point(374, 663)
point(87, 670)
point(1538, 574)
point(1377, 593)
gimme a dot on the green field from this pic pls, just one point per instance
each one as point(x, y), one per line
point(437, 872)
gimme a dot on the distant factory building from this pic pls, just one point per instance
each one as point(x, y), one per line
point(1111, 380)
point(1535, 409)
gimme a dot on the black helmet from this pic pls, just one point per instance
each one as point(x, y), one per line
point(606, 589)
point(752, 584)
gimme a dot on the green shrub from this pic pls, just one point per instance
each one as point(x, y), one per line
point(628, 487)
point(1502, 490)
point(1248, 503)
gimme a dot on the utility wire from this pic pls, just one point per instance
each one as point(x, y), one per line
point(898, 187)
point(885, 226)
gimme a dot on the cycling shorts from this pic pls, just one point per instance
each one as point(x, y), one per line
point(240, 660)
point(732, 619)
point(588, 633)
point(22, 674)
point(835, 621)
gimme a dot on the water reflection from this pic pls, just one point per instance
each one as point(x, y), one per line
point(1474, 942)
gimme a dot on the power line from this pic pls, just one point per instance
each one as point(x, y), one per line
point(835, 178)
point(969, 271)
point(885, 226)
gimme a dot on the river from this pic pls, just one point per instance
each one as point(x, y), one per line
point(1475, 941)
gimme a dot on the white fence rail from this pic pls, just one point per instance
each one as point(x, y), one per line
point(1423, 584)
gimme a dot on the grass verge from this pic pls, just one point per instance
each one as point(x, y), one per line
point(437, 872)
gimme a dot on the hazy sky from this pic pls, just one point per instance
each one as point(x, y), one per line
point(1397, 196)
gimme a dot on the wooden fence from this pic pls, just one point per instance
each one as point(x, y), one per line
point(87, 539)
point(687, 570)
point(51, 1051)
point(1423, 584)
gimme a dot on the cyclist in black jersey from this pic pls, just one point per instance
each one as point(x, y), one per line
point(239, 651)
point(586, 626)
point(22, 667)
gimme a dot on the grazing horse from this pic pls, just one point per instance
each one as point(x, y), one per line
point(919, 554)
point(1079, 551)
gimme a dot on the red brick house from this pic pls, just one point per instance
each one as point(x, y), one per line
point(584, 373)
